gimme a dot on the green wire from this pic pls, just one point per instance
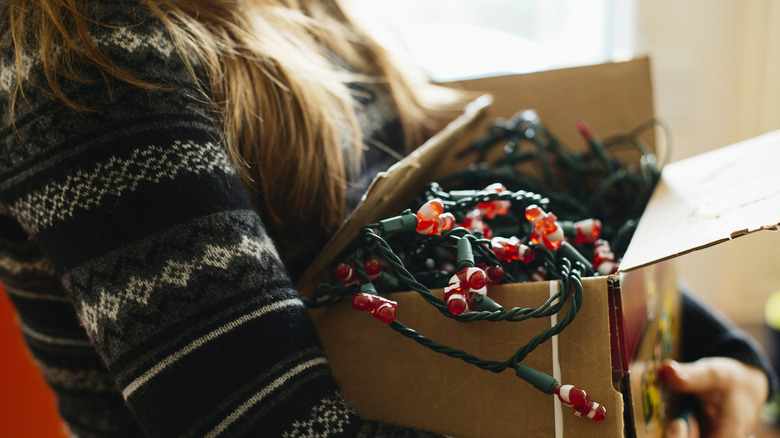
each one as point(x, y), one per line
point(578, 185)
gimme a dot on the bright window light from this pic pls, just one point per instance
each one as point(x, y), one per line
point(454, 39)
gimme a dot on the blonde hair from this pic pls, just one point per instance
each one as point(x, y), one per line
point(282, 101)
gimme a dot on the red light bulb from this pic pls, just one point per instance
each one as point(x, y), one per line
point(603, 258)
point(495, 274)
point(475, 222)
point(527, 254)
point(382, 308)
point(510, 249)
point(385, 312)
point(572, 395)
point(491, 209)
point(597, 412)
point(373, 268)
point(477, 279)
point(588, 230)
point(457, 304)
point(546, 231)
point(363, 302)
point(431, 218)
point(346, 273)
point(584, 129)
point(446, 221)
point(577, 399)
point(463, 286)
point(342, 271)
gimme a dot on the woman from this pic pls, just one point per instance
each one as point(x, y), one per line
point(158, 130)
point(167, 168)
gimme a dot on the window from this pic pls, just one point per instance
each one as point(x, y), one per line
point(466, 38)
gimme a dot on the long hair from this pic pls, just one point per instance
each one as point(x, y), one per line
point(282, 102)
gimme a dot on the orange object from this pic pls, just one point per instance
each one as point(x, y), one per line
point(28, 408)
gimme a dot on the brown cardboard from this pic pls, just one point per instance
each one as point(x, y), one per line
point(613, 97)
point(390, 378)
point(709, 199)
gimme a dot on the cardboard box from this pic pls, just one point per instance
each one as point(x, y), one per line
point(626, 325)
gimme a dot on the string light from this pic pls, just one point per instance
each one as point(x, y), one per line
point(373, 268)
point(510, 249)
point(464, 239)
point(577, 399)
point(475, 222)
point(582, 232)
point(368, 301)
point(495, 274)
point(468, 282)
point(431, 218)
point(603, 258)
point(546, 230)
point(346, 274)
point(491, 209)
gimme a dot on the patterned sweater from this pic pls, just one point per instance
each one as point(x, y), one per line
point(148, 289)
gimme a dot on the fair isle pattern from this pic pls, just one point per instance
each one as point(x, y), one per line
point(326, 420)
point(94, 380)
point(148, 289)
point(174, 273)
point(15, 267)
point(46, 296)
point(131, 39)
point(85, 189)
point(9, 72)
point(172, 359)
point(223, 426)
point(52, 340)
point(198, 264)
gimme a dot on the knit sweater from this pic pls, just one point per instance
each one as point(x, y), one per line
point(149, 291)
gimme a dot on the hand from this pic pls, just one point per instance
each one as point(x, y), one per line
point(731, 395)
point(685, 426)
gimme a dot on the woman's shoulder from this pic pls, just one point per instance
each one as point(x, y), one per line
point(131, 34)
point(127, 34)
point(133, 40)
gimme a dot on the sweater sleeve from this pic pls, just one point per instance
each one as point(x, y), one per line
point(708, 333)
point(172, 274)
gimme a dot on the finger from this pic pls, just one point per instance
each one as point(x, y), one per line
point(731, 393)
point(685, 426)
point(693, 427)
point(677, 428)
point(694, 377)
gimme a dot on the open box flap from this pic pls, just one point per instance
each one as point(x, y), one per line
point(709, 199)
point(396, 186)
